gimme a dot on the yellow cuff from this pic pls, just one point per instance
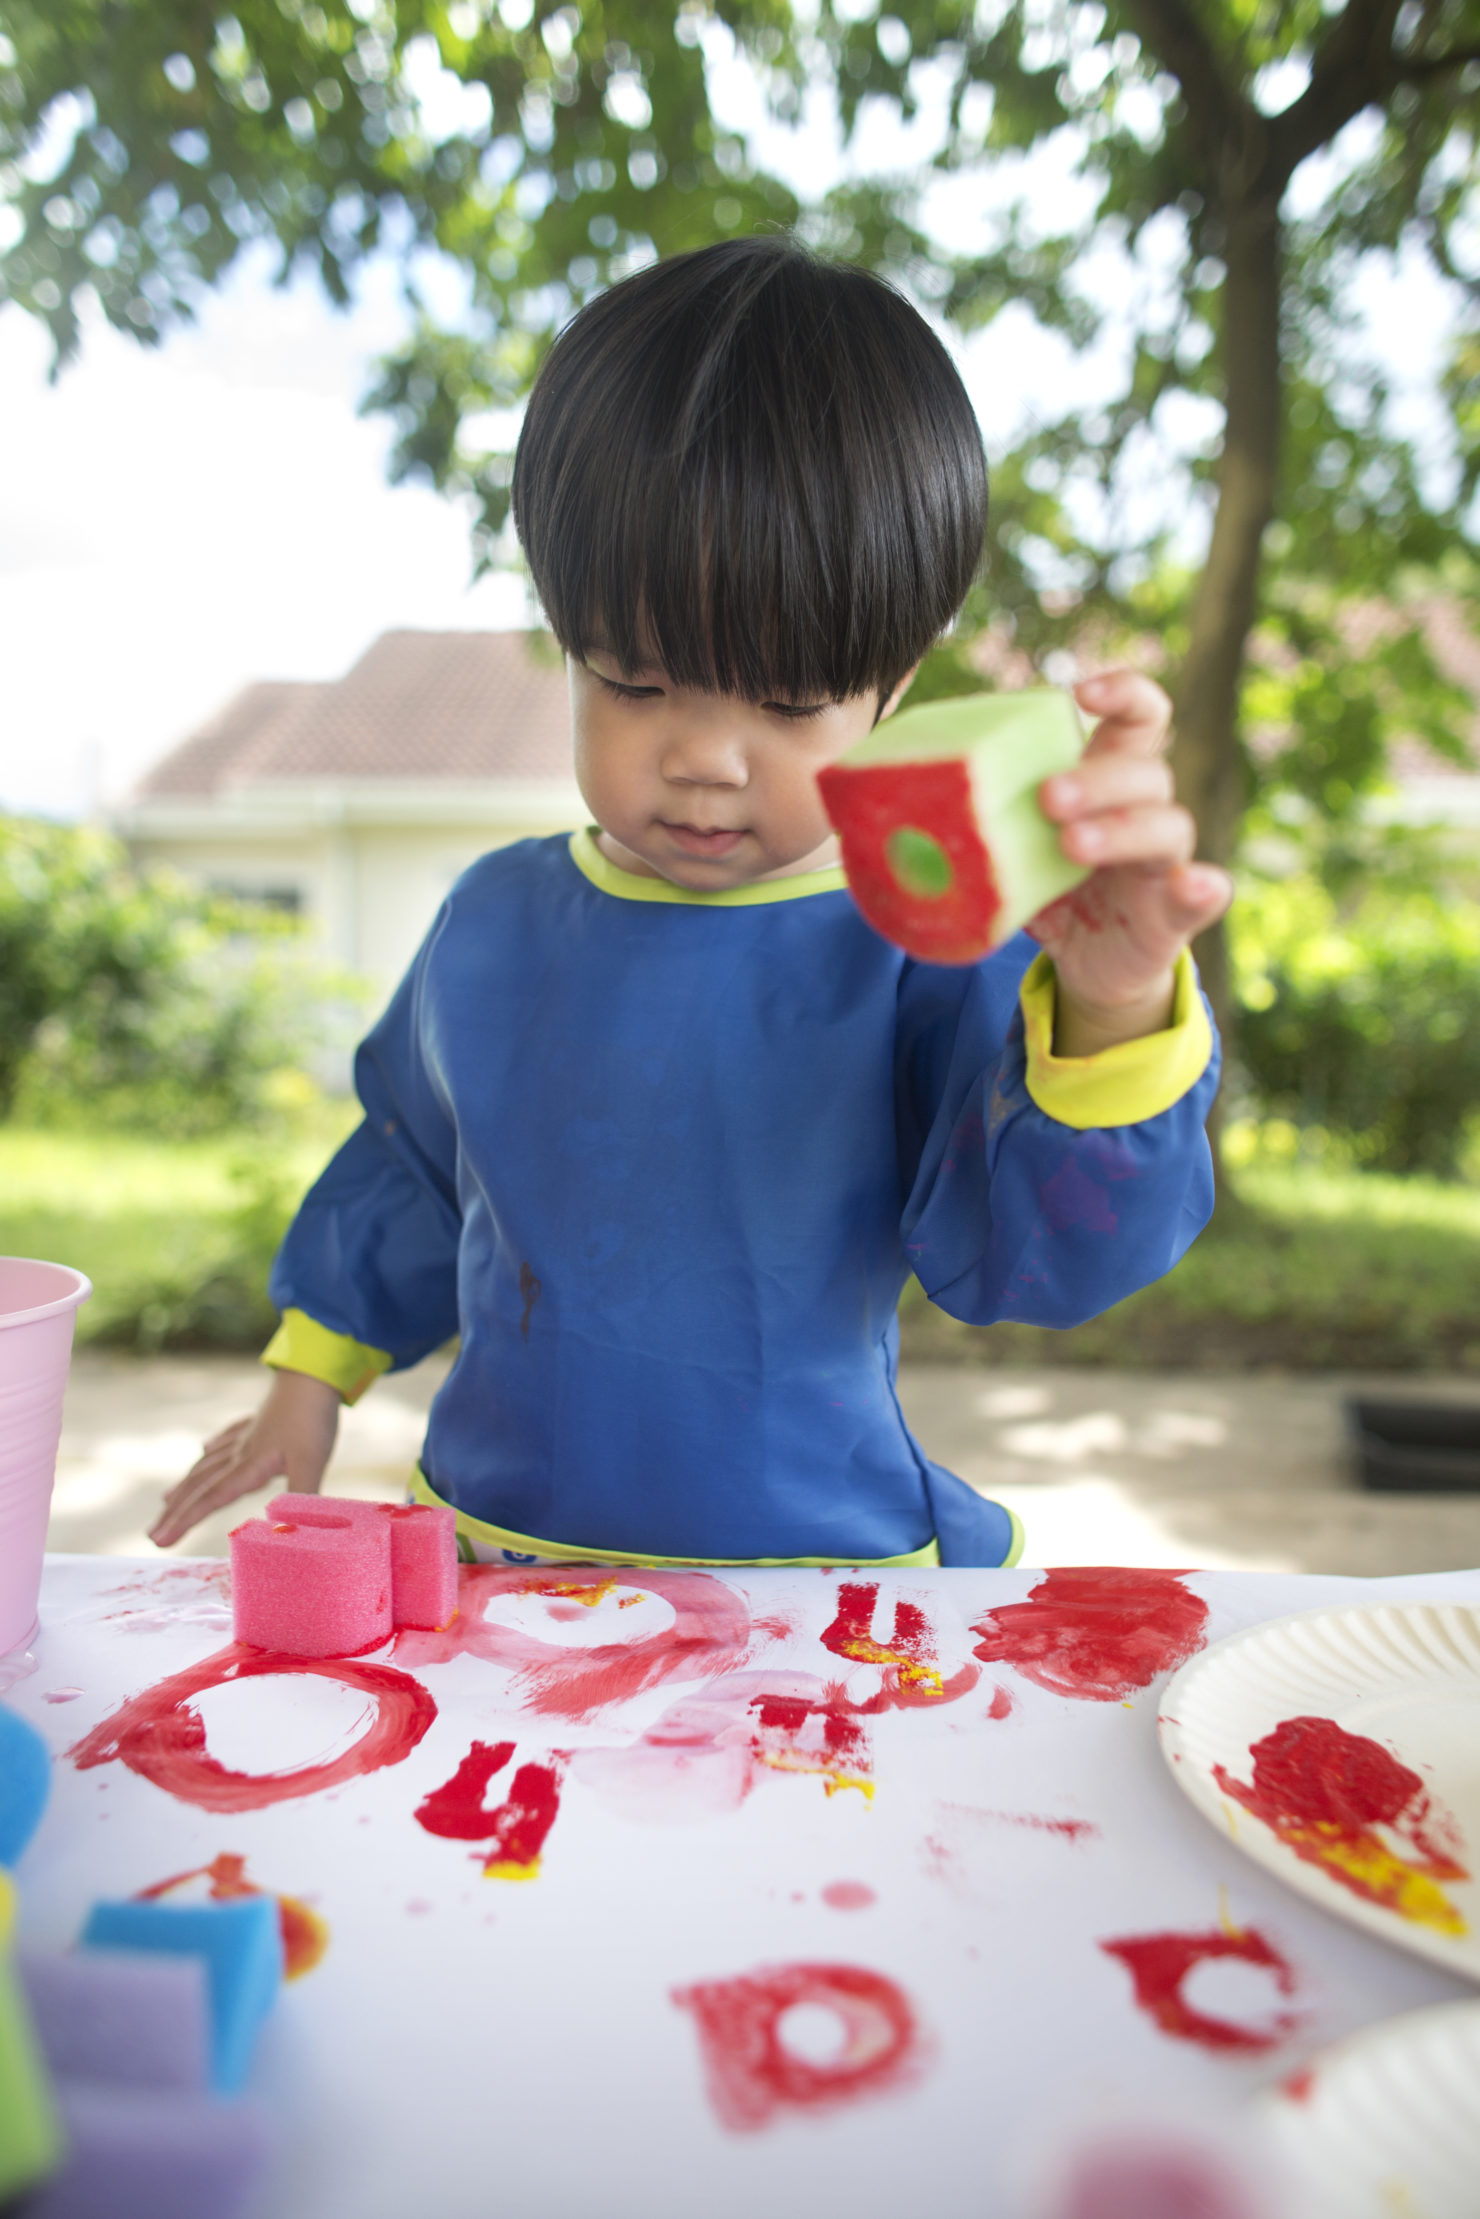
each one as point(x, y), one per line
point(302, 1344)
point(1121, 1085)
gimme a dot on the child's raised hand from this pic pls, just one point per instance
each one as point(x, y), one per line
point(1115, 938)
point(291, 1438)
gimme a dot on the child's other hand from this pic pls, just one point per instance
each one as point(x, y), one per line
point(291, 1438)
point(1115, 939)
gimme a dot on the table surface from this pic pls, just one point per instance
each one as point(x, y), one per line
point(652, 1893)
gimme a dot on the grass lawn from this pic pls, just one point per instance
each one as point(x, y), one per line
point(176, 1236)
point(1315, 1269)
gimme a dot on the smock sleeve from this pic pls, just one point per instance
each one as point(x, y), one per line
point(366, 1278)
point(1042, 1189)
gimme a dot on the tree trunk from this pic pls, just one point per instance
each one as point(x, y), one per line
point(1206, 754)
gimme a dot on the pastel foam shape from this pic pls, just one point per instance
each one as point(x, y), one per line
point(423, 1550)
point(153, 2153)
point(138, 2019)
point(25, 1782)
point(30, 2138)
point(242, 1945)
point(946, 850)
point(315, 1583)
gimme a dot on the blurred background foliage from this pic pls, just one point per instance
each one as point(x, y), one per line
point(1243, 506)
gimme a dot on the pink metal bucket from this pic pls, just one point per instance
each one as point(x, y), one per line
point(38, 1307)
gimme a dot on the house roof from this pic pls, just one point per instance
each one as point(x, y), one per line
point(417, 705)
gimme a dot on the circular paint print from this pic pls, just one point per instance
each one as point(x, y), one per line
point(161, 1735)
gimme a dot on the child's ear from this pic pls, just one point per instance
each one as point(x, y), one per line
point(887, 708)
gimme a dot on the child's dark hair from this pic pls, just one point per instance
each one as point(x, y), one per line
point(759, 468)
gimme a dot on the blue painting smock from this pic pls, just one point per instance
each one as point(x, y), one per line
point(664, 1162)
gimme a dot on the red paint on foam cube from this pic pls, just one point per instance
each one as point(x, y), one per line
point(423, 1543)
point(311, 1584)
point(868, 803)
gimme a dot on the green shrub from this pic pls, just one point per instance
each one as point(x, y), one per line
point(135, 999)
point(1361, 1019)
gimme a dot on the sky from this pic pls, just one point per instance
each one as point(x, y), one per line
point(177, 521)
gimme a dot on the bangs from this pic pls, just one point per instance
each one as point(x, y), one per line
point(755, 468)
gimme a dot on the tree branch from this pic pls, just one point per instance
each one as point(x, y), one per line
point(1421, 68)
point(1171, 31)
point(1354, 66)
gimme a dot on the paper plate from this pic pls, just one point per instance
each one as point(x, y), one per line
point(1386, 2121)
point(1341, 1749)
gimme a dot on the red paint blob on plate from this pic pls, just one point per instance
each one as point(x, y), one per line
point(1160, 1963)
point(1001, 1705)
point(1094, 1632)
point(1324, 1792)
point(751, 2071)
point(162, 1737)
point(848, 1895)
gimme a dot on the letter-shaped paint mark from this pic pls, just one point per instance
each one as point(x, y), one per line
point(1160, 1963)
point(911, 1673)
point(305, 1934)
point(753, 2073)
point(1324, 1792)
point(162, 1737)
point(516, 1829)
point(455, 1810)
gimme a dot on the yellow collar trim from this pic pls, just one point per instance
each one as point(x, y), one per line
point(627, 886)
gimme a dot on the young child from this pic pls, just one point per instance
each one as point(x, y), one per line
point(656, 1124)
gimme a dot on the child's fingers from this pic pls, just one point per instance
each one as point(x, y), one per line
point(215, 1479)
point(1135, 715)
point(1155, 833)
point(1196, 895)
point(1105, 782)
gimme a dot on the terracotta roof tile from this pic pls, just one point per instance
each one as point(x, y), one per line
point(463, 705)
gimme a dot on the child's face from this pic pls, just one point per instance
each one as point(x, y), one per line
point(703, 789)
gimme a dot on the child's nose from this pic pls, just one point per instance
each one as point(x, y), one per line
point(706, 751)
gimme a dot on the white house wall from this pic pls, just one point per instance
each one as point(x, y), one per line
point(369, 868)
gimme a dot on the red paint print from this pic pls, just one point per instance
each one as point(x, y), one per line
point(848, 1895)
point(706, 1752)
point(710, 1628)
point(1002, 1704)
point(1324, 1793)
point(911, 1674)
point(751, 2070)
point(305, 1934)
point(517, 1829)
point(1160, 1963)
point(162, 1737)
point(1094, 1632)
point(455, 1810)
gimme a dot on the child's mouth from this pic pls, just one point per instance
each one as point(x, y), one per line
point(694, 840)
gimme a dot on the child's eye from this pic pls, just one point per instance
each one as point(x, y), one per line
point(796, 712)
point(627, 693)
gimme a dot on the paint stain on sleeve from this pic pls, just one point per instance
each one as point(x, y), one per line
point(529, 1295)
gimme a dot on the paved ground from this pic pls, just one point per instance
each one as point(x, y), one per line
point(1102, 1467)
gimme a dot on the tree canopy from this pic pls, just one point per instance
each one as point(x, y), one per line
point(1235, 167)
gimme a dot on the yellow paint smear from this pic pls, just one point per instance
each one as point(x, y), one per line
point(507, 1869)
point(831, 1780)
point(1374, 1871)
